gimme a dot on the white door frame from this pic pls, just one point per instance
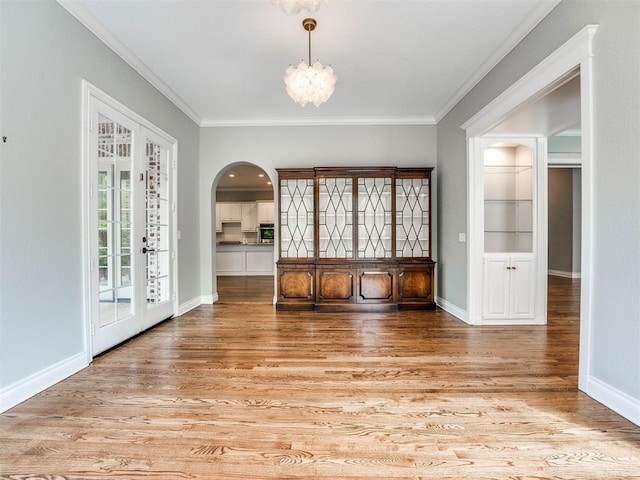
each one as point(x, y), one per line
point(90, 92)
point(577, 52)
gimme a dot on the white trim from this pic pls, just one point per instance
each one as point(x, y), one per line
point(560, 160)
point(208, 299)
point(535, 84)
point(314, 121)
point(452, 309)
point(126, 111)
point(84, 16)
point(475, 225)
point(586, 236)
point(493, 322)
point(541, 207)
point(573, 56)
point(91, 92)
point(18, 392)
point(533, 18)
point(560, 273)
point(188, 306)
point(612, 398)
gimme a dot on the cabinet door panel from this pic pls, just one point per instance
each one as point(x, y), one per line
point(522, 291)
point(336, 285)
point(496, 288)
point(375, 286)
point(296, 285)
point(414, 285)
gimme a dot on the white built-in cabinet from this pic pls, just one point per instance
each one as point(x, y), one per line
point(510, 251)
point(509, 287)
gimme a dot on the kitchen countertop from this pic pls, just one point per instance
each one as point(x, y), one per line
point(240, 244)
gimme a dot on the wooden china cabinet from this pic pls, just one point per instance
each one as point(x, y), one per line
point(355, 239)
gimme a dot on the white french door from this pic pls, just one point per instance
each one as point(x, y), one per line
point(131, 212)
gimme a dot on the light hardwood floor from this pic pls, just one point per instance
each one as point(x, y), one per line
point(236, 391)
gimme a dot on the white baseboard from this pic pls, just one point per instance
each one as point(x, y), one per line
point(612, 398)
point(189, 305)
point(452, 309)
point(18, 392)
point(560, 273)
point(208, 299)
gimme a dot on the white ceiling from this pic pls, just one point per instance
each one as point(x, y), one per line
point(397, 61)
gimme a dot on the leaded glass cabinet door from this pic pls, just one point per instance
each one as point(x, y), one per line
point(413, 217)
point(335, 217)
point(296, 218)
point(374, 217)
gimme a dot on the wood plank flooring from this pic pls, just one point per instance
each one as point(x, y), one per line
point(245, 289)
point(236, 391)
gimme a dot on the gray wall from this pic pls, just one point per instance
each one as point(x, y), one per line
point(615, 333)
point(45, 55)
point(560, 188)
point(301, 146)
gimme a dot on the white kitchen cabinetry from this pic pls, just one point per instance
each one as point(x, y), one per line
point(509, 287)
point(255, 259)
point(218, 219)
point(230, 212)
point(265, 212)
point(249, 221)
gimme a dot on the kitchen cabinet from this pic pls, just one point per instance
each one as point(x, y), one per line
point(218, 219)
point(244, 259)
point(265, 212)
point(249, 223)
point(230, 212)
point(361, 236)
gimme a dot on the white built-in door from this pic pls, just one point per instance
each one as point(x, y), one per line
point(131, 212)
point(509, 287)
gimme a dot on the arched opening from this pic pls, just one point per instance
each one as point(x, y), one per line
point(243, 235)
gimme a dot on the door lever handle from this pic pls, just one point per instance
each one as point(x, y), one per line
point(146, 250)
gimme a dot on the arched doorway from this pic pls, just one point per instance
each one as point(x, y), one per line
point(242, 238)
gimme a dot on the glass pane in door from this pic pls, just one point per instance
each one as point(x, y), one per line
point(114, 221)
point(157, 224)
point(335, 217)
point(412, 217)
point(296, 218)
point(374, 217)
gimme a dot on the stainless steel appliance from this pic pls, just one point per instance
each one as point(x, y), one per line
point(266, 233)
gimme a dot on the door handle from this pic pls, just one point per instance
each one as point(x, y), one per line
point(146, 250)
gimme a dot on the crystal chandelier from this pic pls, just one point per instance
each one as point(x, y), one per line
point(291, 7)
point(310, 83)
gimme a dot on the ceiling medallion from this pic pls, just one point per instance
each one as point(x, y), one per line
point(292, 7)
point(310, 83)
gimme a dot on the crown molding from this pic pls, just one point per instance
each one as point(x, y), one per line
point(535, 16)
point(310, 121)
point(84, 16)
